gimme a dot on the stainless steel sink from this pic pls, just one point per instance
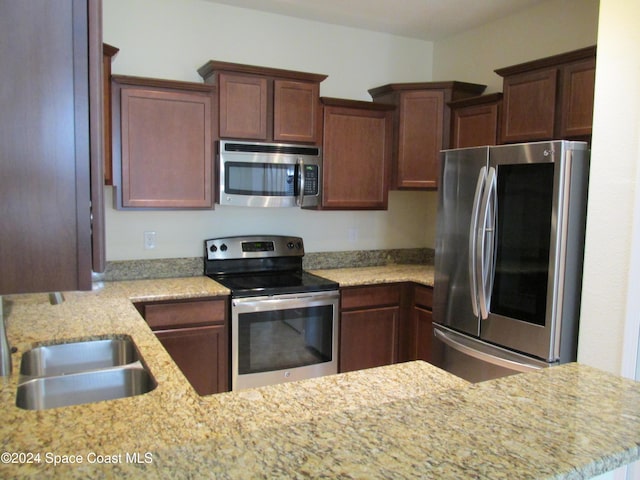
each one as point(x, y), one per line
point(65, 358)
point(86, 387)
point(81, 372)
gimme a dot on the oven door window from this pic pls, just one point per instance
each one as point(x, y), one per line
point(524, 213)
point(284, 339)
point(261, 179)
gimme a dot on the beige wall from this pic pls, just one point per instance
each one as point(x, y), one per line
point(610, 302)
point(551, 27)
point(172, 38)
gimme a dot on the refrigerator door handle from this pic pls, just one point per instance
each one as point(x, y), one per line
point(503, 359)
point(485, 242)
point(473, 231)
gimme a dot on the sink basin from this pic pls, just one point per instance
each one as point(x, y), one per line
point(86, 387)
point(65, 358)
point(81, 372)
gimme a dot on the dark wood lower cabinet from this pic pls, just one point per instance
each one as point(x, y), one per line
point(196, 335)
point(201, 354)
point(422, 324)
point(369, 338)
point(385, 324)
point(423, 334)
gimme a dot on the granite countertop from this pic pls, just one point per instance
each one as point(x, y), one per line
point(401, 421)
point(350, 277)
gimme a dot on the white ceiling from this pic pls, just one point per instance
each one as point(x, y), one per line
point(422, 19)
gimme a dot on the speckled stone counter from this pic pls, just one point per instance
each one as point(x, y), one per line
point(350, 277)
point(408, 420)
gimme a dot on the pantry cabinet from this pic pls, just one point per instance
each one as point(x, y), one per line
point(195, 334)
point(369, 326)
point(162, 143)
point(51, 145)
point(356, 154)
point(265, 104)
point(421, 127)
point(475, 121)
point(549, 98)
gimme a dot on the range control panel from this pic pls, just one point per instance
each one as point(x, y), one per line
point(253, 246)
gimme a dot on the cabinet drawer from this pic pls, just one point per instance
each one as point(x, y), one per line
point(423, 296)
point(370, 296)
point(181, 314)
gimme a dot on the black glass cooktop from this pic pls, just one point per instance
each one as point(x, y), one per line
point(269, 283)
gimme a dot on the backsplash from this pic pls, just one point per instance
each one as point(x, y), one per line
point(193, 267)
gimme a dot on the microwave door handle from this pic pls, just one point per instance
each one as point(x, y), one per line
point(301, 181)
point(473, 232)
point(485, 244)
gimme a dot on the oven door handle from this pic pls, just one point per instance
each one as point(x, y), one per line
point(280, 301)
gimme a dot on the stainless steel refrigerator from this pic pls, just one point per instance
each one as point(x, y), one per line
point(508, 260)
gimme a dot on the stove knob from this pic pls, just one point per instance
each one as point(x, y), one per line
point(213, 248)
point(223, 248)
point(299, 245)
point(290, 245)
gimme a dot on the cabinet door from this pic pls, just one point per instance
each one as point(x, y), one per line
point(420, 139)
point(576, 111)
point(166, 147)
point(243, 106)
point(475, 125)
point(423, 324)
point(49, 133)
point(356, 158)
point(202, 355)
point(368, 338)
point(529, 106)
point(296, 111)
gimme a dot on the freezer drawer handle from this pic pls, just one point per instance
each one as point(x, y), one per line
point(486, 357)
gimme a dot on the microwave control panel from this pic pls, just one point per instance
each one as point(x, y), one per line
point(311, 179)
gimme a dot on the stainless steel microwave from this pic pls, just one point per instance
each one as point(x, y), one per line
point(269, 174)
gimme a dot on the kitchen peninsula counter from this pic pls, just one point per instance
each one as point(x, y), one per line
point(401, 421)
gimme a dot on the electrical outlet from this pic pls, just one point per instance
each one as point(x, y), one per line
point(149, 239)
point(353, 235)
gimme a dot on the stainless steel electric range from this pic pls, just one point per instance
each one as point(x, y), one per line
point(284, 320)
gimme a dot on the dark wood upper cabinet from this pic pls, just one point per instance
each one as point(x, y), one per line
point(421, 127)
point(296, 111)
point(162, 143)
point(50, 144)
point(475, 121)
point(356, 154)
point(578, 87)
point(265, 104)
point(242, 106)
point(549, 98)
